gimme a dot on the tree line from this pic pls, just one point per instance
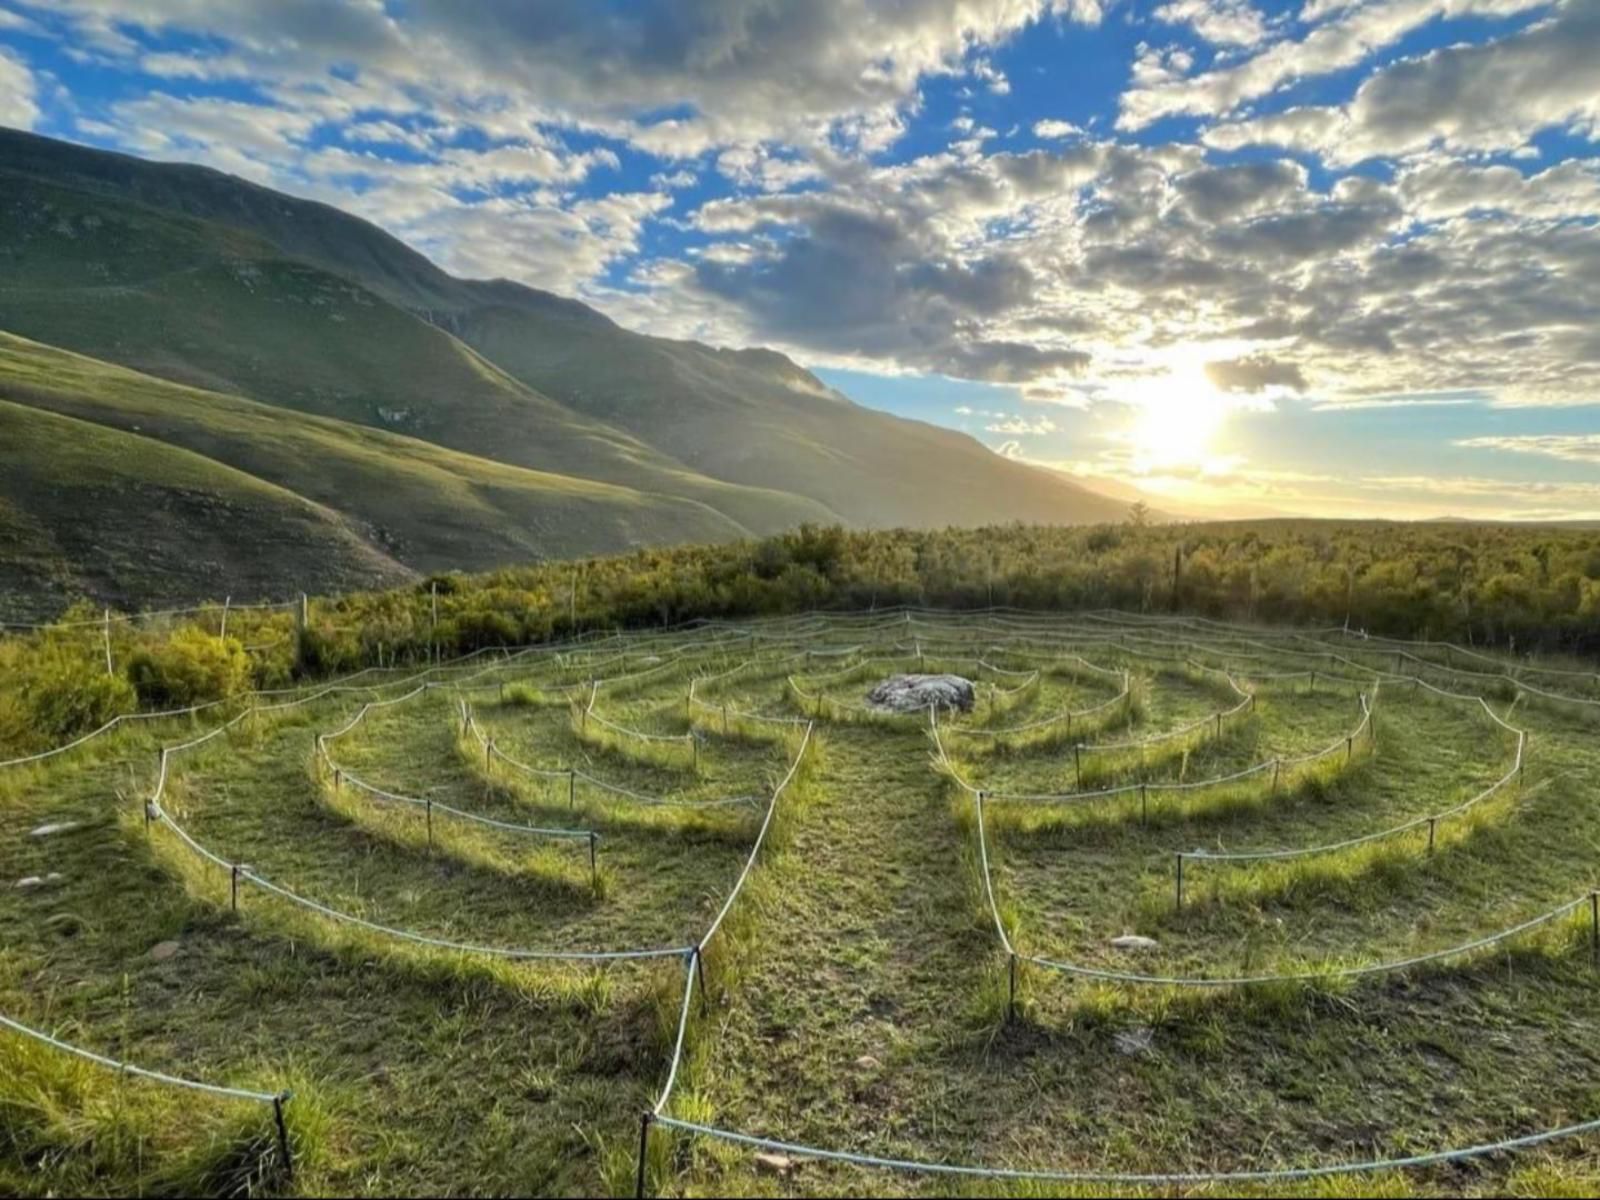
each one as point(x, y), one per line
point(1523, 589)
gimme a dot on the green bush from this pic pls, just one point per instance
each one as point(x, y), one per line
point(55, 693)
point(190, 667)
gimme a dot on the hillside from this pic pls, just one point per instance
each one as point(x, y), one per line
point(88, 509)
point(105, 496)
point(206, 305)
point(237, 287)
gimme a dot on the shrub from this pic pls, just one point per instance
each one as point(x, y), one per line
point(190, 667)
point(56, 692)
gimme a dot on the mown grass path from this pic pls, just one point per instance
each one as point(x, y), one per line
point(868, 959)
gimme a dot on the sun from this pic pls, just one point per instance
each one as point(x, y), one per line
point(1179, 415)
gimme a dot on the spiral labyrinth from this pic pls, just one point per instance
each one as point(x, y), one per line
point(1176, 904)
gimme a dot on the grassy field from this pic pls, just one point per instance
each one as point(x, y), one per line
point(857, 996)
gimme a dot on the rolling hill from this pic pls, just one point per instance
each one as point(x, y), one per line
point(351, 505)
point(355, 349)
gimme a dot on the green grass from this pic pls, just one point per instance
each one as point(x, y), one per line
point(858, 994)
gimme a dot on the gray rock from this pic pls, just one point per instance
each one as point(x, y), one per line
point(1133, 941)
point(162, 951)
point(53, 828)
point(867, 1063)
point(918, 693)
point(29, 882)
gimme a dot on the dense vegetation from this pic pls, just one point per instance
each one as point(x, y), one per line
point(1526, 589)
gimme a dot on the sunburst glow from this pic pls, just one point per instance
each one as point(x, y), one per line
point(1179, 418)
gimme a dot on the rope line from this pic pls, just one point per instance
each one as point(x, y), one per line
point(123, 1068)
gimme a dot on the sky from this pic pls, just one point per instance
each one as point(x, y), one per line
point(1337, 257)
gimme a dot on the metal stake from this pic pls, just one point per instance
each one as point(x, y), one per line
point(644, 1146)
point(1180, 879)
point(283, 1133)
point(1011, 1002)
point(234, 882)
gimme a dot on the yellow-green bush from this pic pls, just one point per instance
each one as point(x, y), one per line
point(55, 689)
point(190, 667)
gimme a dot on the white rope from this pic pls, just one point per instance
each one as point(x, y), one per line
point(1203, 981)
point(1130, 1179)
point(123, 1068)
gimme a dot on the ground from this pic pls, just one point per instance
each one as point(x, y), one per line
point(857, 997)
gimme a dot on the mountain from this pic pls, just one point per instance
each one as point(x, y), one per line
point(387, 506)
point(86, 509)
point(243, 294)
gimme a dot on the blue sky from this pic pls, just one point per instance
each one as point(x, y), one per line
point(1331, 257)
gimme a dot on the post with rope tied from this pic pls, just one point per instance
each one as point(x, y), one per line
point(284, 1152)
point(646, 1119)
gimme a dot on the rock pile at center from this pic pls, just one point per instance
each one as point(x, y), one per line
point(917, 693)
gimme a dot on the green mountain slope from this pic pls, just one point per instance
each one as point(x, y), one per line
point(390, 499)
point(794, 433)
point(749, 418)
point(203, 304)
point(90, 510)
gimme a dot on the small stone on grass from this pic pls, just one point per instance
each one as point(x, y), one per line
point(775, 1164)
point(1133, 941)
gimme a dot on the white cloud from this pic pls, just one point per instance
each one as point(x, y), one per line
point(1335, 45)
point(18, 99)
point(729, 73)
point(1223, 22)
point(15, 22)
point(1053, 130)
point(1450, 188)
point(1577, 447)
point(1017, 426)
point(665, 181)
